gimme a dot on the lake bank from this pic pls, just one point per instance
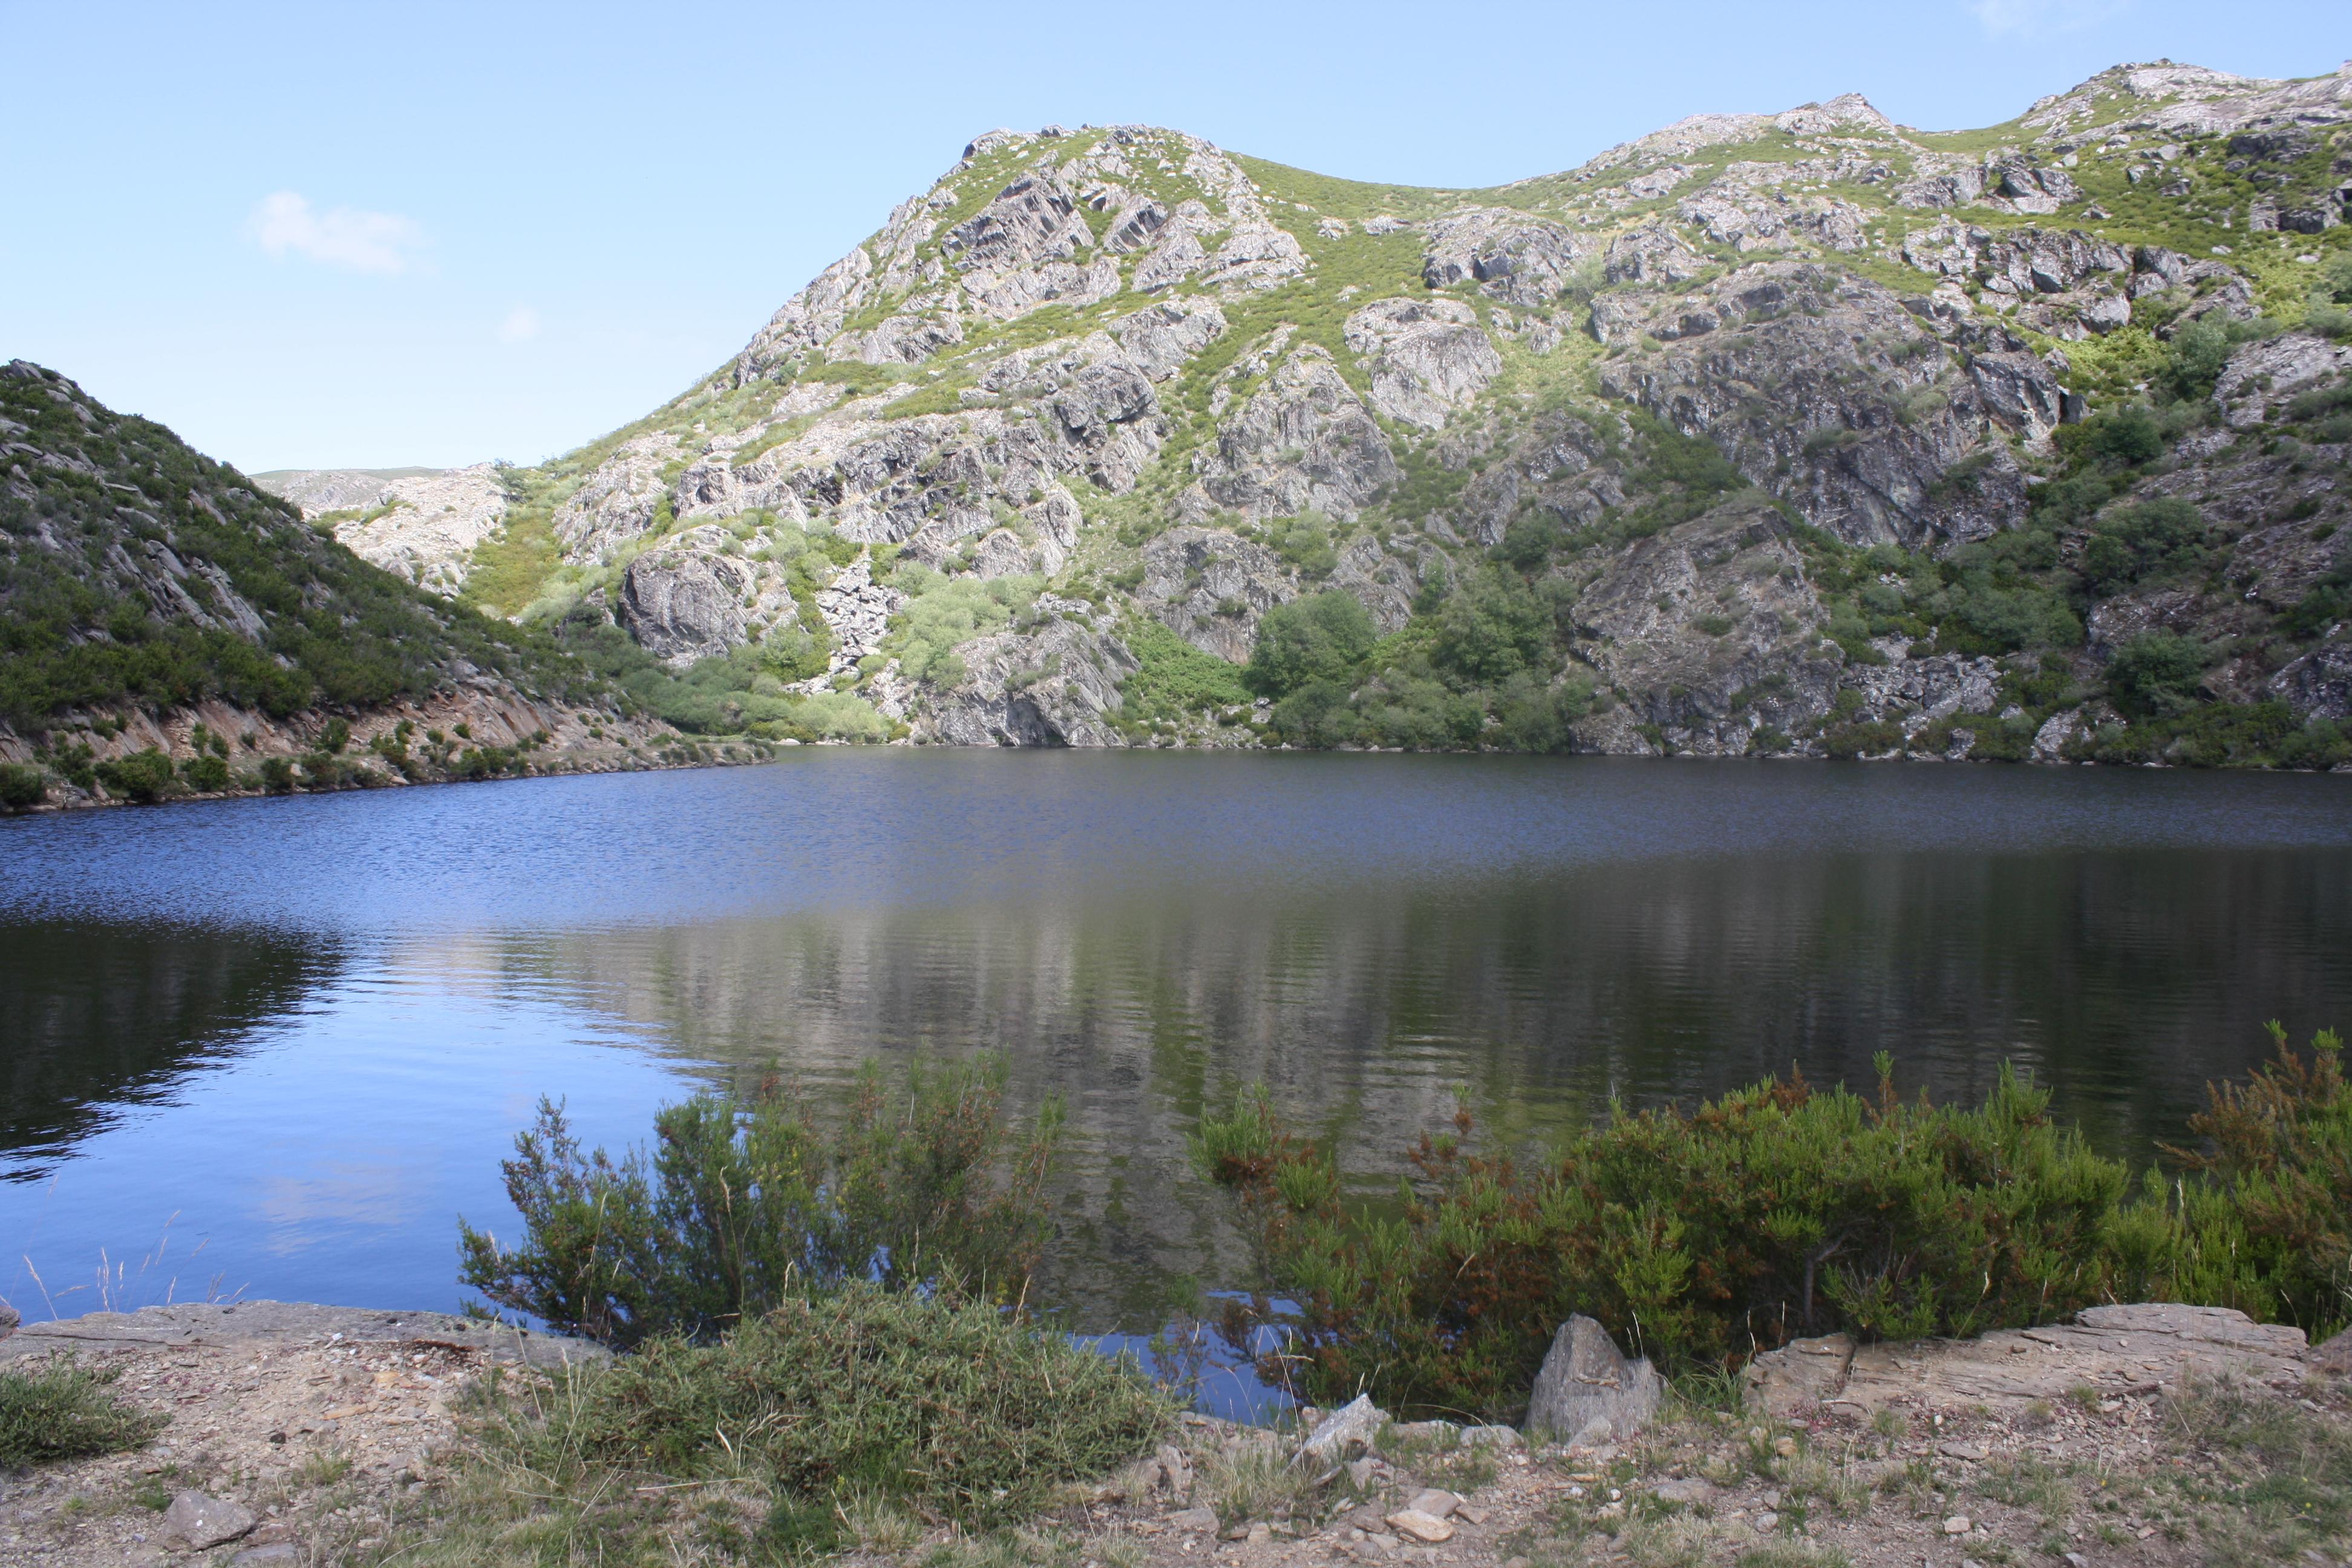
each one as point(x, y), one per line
point(304, 1443)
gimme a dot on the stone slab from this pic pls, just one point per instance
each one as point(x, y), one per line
point(292, 1323)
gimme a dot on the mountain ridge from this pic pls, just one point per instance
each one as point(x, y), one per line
point(1686, 448)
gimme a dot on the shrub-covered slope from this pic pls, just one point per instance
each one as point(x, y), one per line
point(1758, 433)
point(143, 583)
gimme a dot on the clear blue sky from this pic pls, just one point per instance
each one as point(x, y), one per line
point(327, 234)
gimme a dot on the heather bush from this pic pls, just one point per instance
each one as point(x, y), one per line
point(1702, 1236)
point(911, 1181)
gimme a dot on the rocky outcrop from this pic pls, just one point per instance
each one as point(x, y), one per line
point(1511, 256)
point(2111, 1351)
point(617, 501)
point(694, 596)
point(1303, 442)
point(1427, 358)
point(1055, 686)
point(1827, 390)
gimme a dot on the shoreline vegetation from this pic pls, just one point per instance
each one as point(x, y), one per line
point(816, 1333)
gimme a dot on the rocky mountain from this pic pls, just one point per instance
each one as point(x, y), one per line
point(166, 628)
point(1799, 434)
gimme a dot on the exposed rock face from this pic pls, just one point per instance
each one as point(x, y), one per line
point(1522, 260)
point(1794, 369)
point(616, 504)
point(1586, 1379)
point(1209, 587)
point(1051, 687)
point(1304, 442)
point(424, 529)
point(1427, 357)
point(1656, 623)
point(2262, 375)
point(689, 598)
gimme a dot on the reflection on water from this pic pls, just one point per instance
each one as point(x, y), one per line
point(323, 1082)
point(98, 1015)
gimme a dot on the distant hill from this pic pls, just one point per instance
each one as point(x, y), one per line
point(316, 490)
point(152, 599)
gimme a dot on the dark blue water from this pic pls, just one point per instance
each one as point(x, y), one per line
point(278, 1047)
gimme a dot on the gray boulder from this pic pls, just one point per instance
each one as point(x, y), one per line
point(1347, 1432)
point(1586, 1379)
point(8, 1321)
point(205, 1522)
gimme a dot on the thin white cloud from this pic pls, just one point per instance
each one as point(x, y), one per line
point(2032, 19)
point(362, 241)
point(521, 323)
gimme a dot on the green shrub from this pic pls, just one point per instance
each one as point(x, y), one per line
point(1322, 637)
point(1172, 677)
point(2269, 1231)
point(64, 1410)
point(945, 1406)
point(747, 1204)
point(2156, 673)
point(1317, 714)
point(2155, 537)
point(1304, 542)
point(22, 787)
point(142, 775)
point(1528, 540)
point(2122, 438)
point(1491, 627)
point(2194, 359)
point(205, 771)
point(948, 611)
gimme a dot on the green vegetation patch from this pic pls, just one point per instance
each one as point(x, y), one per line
point(1775, 1212)
point(1175, 678)
point(944, 1407)
point(334, 630)
point(58, 1410)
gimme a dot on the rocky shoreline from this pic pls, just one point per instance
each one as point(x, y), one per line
point(301, 1434)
